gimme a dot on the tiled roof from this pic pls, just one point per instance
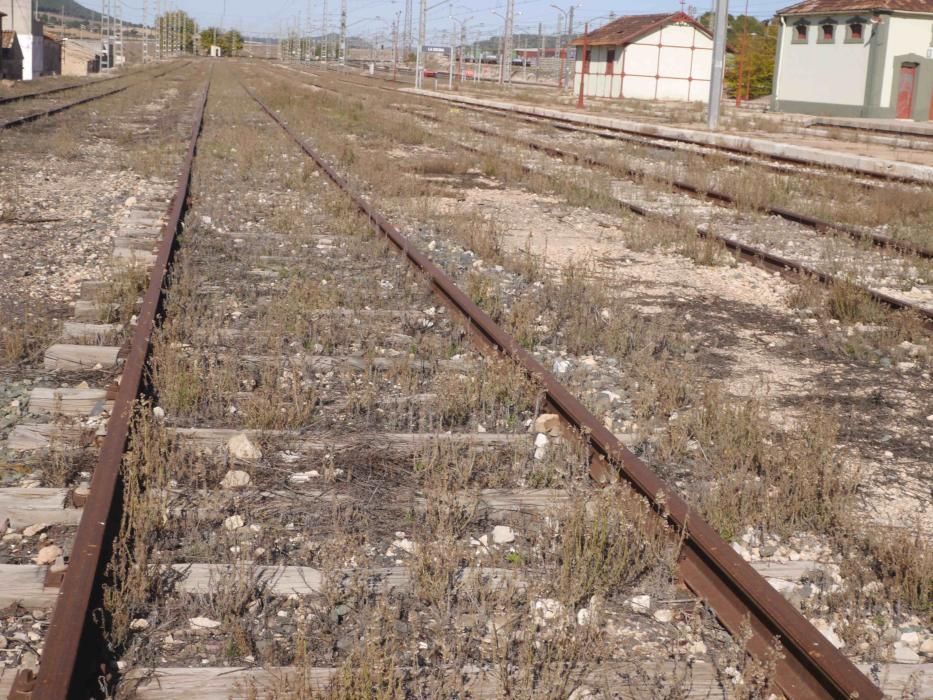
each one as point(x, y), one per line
point(7, 40)
point(819, 7)
point(625, 30)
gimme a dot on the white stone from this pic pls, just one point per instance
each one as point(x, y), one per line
point(234, 522)
point(203, 623)
point(697, 648)
point(584, 616)
point(640, 603)
point(158, 412)
point(140, 623)
point(827, 631)
point(405, 544)
point(663, 615)
point(304, 477)
point(503, 534)
point(130, 202)
point(241, 447)
point(741, 551)
point(540, 453)
point(235, 479)
point(34, 529)
point(541, 440)
point(546, 609)
point(905, 655)
point(561, 366)
point(927, 646)
point(48, 554)
point(911, 639)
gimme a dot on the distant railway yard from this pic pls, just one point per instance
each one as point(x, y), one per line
point(314, 385)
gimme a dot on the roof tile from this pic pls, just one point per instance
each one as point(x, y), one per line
point(628, 28)
point(816, 7)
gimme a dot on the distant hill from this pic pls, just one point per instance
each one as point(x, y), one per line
point(72, 9)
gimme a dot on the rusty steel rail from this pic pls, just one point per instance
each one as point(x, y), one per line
point(810, 667)
point(52, 91)
point(73, 648)
point(38, 114)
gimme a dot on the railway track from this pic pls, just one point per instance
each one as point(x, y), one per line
point(750, 252)
point(736, 155)
point(53, 91)
point(29, 114)
point(255, 417)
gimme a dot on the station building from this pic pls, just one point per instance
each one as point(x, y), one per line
point(650, 57)
point(856, 58)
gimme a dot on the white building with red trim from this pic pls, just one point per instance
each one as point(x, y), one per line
point(647, 57)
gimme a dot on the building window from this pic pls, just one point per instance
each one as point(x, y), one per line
point(827, 33)
point(610, 60)
point(801, 31)
point(855, 31)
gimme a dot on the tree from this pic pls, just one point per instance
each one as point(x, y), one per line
point(229, 42)
point(751, 72)
point(752, 45)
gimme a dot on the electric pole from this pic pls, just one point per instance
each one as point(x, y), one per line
point(324, 29)
point(406, 30)
point(507, 48)
point(343, 32)
point(719, 54)
point(419, 54)
point(540, 45)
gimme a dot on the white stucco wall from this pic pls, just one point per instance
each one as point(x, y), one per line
point(822, 72)
point(906, 34)
point(32, 55)
point(657, 66)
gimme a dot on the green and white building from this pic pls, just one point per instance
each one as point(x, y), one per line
point(856, 58)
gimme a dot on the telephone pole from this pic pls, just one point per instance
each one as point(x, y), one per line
point(719, 54)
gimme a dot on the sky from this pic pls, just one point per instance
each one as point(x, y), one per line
point(374, 17)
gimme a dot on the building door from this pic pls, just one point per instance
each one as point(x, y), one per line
point(905, 90)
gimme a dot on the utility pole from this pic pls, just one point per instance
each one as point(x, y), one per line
point(419, 55)
point(719, 54)
point(450, 67)
point(395, 44)
point(462, 46)
point(343, 32)
point(406, 30)
point(324, 30)
point(507, 49)
point(145, 29)
point(540, 45)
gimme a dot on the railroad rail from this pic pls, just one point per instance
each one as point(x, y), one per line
point(811, 667)
point(56, 109)
point(717, 196)
point(750, 253)
point(709, 566)
point(73, 637)
point(52, 91)
point(669, 142)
